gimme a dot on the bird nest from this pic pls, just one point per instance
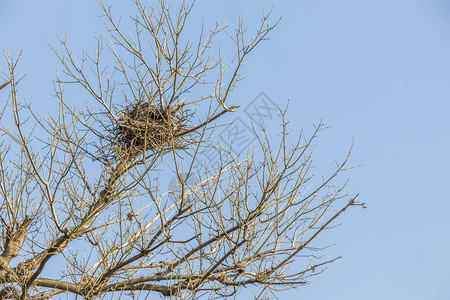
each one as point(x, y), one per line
point(143, 126)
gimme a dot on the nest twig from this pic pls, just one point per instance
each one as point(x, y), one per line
point(143, 127)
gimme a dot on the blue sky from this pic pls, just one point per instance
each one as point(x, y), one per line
point(378, 71)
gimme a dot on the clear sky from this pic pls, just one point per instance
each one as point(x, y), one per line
point(378, 71)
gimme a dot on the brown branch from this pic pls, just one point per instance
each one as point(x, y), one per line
point(211, 119)
point(164, 290)
point(4, 85)
point(60, 285)
point(351, 202)
point(45, 296)
point(14, 239)
point(9, 292)
point(198, 248)
point(145, 251)
point(218, 263)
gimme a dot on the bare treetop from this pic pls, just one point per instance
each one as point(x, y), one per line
point(90, 188)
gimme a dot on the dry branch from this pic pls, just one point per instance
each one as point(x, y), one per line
point(87, 185)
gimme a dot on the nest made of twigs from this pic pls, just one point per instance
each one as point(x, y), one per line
point(143, 126)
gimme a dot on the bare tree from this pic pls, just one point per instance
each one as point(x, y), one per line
point(84, 208)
